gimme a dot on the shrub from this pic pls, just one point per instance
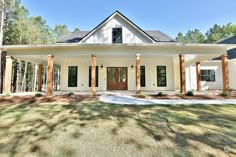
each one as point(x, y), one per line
point(189, 93)
point(70, 93)
point(224, 94)
point(160, 94)
point(7, 95)
point(38, 94)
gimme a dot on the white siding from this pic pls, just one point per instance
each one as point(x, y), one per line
point(150, 67)
point(129, 34)
point(191, 81)
point(232, 74)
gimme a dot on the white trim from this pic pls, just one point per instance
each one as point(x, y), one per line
point(161, 44)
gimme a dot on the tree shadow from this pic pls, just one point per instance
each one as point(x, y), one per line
point(159, 122)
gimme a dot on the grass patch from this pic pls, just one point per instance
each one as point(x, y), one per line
point(93, 128)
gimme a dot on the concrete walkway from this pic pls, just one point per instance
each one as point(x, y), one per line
point(129, 100)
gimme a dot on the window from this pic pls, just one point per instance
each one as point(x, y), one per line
point(161, 76)
point(142, 76)
point(90, 76)
point(208, 75)
point(72, 76)
point(117, 35)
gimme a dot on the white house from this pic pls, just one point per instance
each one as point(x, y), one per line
point(118, 55)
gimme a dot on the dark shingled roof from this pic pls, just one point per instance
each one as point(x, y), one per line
point(231, 53)
point(157, 35)
point(74, 37)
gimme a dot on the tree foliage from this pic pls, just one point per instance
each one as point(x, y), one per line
point(21, 28)
point(213, 35)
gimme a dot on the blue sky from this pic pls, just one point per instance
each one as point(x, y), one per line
point(169, 16)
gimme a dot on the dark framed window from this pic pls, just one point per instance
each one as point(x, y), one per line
point(161, 76)
point(72, 76)
point(117, 35)
point(208, 75)
point(90, 76)
point(142, 76)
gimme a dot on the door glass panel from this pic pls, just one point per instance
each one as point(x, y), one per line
point(111, 74)
point(122, 74)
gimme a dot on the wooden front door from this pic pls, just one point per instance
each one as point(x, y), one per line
point(117, 78)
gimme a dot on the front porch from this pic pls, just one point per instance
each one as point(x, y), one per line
point(92, 62)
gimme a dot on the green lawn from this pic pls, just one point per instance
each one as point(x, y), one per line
point(90, 128)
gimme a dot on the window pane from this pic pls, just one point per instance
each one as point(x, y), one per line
point(111, 73)
point(90, 75)
point(72, 76)
point(117, 35)
point(142, 77)
point(203, 72)
point(208, 75)
point(122, 75)
point(161, 76)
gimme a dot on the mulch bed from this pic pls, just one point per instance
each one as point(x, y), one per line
point(77, 98)
point(44, 99)
point(195, 97)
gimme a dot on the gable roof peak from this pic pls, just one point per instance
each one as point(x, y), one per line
point(125, 18)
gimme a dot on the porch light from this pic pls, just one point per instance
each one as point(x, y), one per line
point(132, 67)
point(101, 67)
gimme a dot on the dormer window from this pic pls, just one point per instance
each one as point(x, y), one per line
point(117, 35)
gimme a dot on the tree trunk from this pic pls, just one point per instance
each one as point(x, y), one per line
point(2, 22)
point(35, 75)
point(18, 75)
point(44, 78)
point(14, 76)
point(1, 42)
point(24, 78)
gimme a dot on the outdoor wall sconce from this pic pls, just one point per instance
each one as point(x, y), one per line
point(132, 67)
point(101, 67)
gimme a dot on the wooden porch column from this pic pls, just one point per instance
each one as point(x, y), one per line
point(225, 72)
point(138, 90)
point(40, 74)
point(49, 75)
point(198, 75)
point(182, 74)
point(8, 75)
point(93, 76)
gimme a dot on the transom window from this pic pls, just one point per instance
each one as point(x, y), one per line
point(208, 75)
point(72, 76)
point(161, 76)
point(117, 35)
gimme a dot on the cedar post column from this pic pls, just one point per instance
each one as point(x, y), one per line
point(225, 72)
point(8, 75)
point(198, 75)
point(40, 73)
point(182, 74)
point(138, 90)
point(93, 77)
point(49, 75)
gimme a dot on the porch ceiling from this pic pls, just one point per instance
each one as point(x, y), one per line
point(193, 52)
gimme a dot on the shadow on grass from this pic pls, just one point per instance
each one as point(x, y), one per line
point(176, 123)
